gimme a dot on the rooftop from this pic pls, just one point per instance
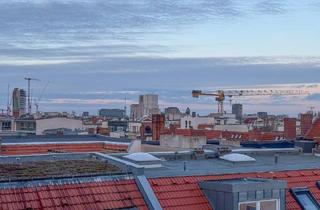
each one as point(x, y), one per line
point(188, 166)
point(59, 168)
point(174, 186)
point(55, 138)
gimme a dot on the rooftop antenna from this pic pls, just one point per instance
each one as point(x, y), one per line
point(29, 92)
point(125, 106)
point(8, 100)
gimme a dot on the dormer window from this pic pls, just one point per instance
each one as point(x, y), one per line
point(260, 205)
point(245, 194)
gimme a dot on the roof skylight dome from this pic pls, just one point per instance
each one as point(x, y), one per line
point(141, 156)
point(235, 157)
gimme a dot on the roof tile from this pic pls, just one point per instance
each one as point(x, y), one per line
point(186, 194)
point(99, 195)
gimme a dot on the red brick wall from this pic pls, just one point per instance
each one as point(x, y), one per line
point(305, 123)
point(290, 128)
point(158, 121)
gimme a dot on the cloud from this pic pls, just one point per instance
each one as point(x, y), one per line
point(314, 97)
point(112, 92)
point(35, 30)
point(85, 101)
point(271, 7)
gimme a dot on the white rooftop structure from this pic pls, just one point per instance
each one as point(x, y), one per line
point(235, 157)
point(141, 157)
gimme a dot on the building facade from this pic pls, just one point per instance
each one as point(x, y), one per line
point(18, 102)
point(112, 113)
point(237, 110)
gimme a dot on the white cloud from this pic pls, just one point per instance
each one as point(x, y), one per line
point(86, 101)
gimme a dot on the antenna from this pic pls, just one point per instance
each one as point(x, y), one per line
point(125, 106)
point(8, 101)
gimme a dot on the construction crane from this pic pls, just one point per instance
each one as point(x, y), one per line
point(220, 95)
point(40, 97)
point(29, 79)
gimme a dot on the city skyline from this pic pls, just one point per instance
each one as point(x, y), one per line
point(96, 53)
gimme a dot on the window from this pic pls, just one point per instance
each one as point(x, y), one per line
point(248, 206)
point(260, 205)
point(6, 126)
point(305, 198)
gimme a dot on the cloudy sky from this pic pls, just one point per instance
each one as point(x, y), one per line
point(94, 53)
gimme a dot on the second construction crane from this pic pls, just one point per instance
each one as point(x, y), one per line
point(29, 79)
point(220, 95)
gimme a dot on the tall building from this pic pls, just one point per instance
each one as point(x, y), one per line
point(135, 112)
point(290, 128)
point(149, 104)
point(18, 102)
point(305, 123)
point(237, 110)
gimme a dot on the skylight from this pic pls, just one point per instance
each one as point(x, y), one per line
point(141, 156)
point(305, 199)
point(235, 157)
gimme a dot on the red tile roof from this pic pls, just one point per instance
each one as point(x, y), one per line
point(184, 192)
point(229, 135)
point(314, 131)
point(95, 195)
point(172, 192)
point(26, 149)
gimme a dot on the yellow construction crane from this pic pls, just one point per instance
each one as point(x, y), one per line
point(220, 95)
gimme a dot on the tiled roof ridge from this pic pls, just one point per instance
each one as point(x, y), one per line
point(98, 194)
point(22, 184)
point(273, 173)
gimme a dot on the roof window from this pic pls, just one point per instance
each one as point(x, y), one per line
point(305, 199)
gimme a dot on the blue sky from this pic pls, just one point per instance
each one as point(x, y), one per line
point(96, 52)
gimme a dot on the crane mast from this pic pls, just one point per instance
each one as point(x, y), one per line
point(29, 79)
point(220, 95)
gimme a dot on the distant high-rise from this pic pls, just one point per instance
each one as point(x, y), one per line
point(18, 102)
point(135, 112)
point(237, 110)
point(148, 105)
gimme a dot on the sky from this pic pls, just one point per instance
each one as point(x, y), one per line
point(94, 53)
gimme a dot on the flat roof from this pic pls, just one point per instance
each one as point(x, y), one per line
point(57, 139)
point(54, 166)
point(263, 163)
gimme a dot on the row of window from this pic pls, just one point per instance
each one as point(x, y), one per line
point(273, 204)
point(302, 195)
